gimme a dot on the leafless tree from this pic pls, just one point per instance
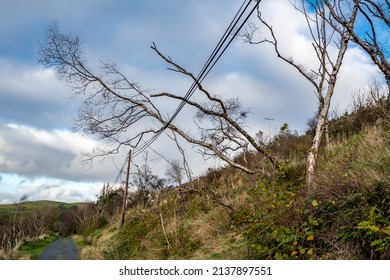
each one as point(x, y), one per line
point(85, 214)
point(175, 172)
point(186, 167)
point(373, 31)
point(375, 98)
point(113, 104)
point(324, 77)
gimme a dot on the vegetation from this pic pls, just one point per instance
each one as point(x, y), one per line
point(33, 249)
point(229, 214)
point(28, 226)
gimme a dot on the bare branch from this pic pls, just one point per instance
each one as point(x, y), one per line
point(373, 14)
point(114, 106)
point(321, 27)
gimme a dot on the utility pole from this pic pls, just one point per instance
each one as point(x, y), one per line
point(126, 191)
point(269, 127)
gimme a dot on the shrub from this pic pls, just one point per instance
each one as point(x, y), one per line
point(374, 229)
point(127, 242)
point(281, 223)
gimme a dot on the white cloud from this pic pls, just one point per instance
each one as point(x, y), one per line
point(33, 96)
point(32, 82)
point(12, 187)
point(34, 152)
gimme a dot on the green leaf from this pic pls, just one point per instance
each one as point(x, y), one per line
point(314, 203)
point(315, 223)
point(284, 127)
point(376, 242)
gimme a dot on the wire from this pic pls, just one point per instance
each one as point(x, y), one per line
point(121, 171)
point(201, 75)
point(209, 65)
point(206, 68)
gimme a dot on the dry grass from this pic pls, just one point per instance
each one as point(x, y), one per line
point(211, 220)
point(195, 223)
point(359, 163)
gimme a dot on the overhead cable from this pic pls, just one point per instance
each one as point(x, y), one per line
point(210, 63)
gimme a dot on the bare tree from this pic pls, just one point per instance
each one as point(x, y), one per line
point(374, 97)
point(373, 31)
point(324, 77)
point(175, 172)
point(17, 230)
point(113, 104)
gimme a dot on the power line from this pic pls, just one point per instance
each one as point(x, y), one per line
point(120, 172)
point(213, 59)
point(209, 65)
point(201, 75)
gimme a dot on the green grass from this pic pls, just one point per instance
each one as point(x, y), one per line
point(33, 249)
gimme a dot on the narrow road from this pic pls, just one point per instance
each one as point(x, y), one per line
point(61, 249)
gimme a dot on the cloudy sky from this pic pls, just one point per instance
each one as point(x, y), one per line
point(40, 154)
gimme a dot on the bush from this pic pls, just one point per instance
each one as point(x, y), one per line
point(127, 242)
point(373, 231)
point(279, 222)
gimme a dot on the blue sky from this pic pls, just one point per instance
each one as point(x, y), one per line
point(40, 154)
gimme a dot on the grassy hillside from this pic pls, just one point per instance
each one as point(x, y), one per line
point(28, 206)
point(227, 214)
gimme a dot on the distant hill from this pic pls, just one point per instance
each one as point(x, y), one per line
point(27, 206)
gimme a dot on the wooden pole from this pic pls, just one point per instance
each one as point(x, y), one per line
point(126, 191)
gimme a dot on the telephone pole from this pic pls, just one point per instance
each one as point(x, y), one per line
point(269, 127)
point(126, 191)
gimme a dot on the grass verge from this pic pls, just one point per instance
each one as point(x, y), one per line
point(33, 249)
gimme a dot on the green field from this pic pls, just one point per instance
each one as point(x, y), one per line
point(28, 206)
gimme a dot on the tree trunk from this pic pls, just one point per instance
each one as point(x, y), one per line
point(126, 191)
point(323, 118)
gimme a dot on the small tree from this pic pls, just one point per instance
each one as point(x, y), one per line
point(175, 172)
point(17, 231)
point(109, 200)
point(147, 182)
point(324, 77)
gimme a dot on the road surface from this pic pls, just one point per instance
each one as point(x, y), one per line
point(61, 249)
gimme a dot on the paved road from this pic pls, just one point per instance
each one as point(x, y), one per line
point(61, 249)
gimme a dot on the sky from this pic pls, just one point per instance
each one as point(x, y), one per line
point(40, 153)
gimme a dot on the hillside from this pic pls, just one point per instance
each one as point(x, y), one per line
point(29, 206)
point(38, 204)
point(227, 214)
